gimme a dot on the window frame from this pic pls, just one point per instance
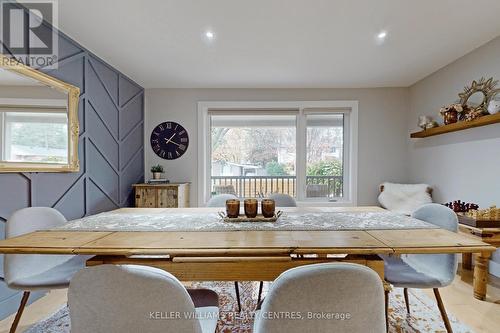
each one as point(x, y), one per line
point(301, 108)
point(346, 155)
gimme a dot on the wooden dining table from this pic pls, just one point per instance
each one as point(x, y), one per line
point(248, 255)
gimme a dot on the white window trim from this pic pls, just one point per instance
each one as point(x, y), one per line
point(204, 144)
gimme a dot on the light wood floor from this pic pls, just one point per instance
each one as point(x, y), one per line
point(480, 316)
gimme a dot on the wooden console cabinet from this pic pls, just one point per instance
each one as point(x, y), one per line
point(162, 196)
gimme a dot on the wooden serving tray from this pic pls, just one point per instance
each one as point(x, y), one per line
point(258, 218)
point(478, 223)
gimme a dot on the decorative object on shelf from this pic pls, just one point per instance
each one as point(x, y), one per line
point(157, 171)
point(432, 124)
point(169, 140)
point(474, 98)
point(459, 206)
point(472, 110)
point(426, 122)
point(494, 102)
point(472, 115)
point(459, 126)
point(268, 207)
point(232, 208)
point(450, 113)
point(423, 121)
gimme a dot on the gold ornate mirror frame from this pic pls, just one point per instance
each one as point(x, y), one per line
point(73, 94)
point(482, 86)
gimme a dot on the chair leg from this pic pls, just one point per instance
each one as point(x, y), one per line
point(442, 310)
point(19, 313)
point(237, 289)
point(407, 302)
point(261, 285)
point(386, 293)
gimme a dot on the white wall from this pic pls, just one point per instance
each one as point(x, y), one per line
point(382, 129)
point(463, 165)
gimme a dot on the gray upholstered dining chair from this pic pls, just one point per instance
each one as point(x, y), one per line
point(283, 200)
point(425, 270)
point(30, 272)
point(132, 298)
point(219, 200)
point(353, 294)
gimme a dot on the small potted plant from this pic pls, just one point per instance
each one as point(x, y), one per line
point(157, 171)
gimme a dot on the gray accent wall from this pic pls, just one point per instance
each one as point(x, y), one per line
point(111, 113)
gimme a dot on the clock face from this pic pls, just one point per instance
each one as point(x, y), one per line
point(169, 140)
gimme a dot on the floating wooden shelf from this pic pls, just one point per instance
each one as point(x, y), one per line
point(461, 125)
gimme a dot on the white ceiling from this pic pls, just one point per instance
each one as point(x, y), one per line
point(279, 43)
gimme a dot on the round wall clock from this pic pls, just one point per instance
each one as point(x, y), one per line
point(169, 140)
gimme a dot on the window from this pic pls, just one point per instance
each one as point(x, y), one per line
point(304, 149)
point(253, 155)
point(34, 137)
point(324, 155)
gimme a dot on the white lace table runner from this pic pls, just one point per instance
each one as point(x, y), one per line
point(116, 221)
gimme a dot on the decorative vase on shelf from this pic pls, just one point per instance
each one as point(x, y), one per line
point(450, 113)
point(157, 175)
point(450, 117)
point(494, 106)
point(423, 121)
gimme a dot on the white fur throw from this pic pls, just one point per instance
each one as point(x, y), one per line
point(404, 198)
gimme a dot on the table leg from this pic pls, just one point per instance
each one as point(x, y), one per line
point(467, 261)
point(481, 274)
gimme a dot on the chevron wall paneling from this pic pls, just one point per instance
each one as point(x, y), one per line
point(111, 145)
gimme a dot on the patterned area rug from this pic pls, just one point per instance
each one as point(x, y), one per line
point(425, 315)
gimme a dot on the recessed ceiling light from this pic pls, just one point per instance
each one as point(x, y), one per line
point(382, 35)
point(209, 34)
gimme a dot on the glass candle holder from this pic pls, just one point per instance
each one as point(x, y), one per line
point(251, 206)
point(232, 208)
point(268, 207)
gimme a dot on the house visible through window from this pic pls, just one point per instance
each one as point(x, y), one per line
point(303, 153)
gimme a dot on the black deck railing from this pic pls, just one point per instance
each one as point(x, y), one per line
point(260, 186)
